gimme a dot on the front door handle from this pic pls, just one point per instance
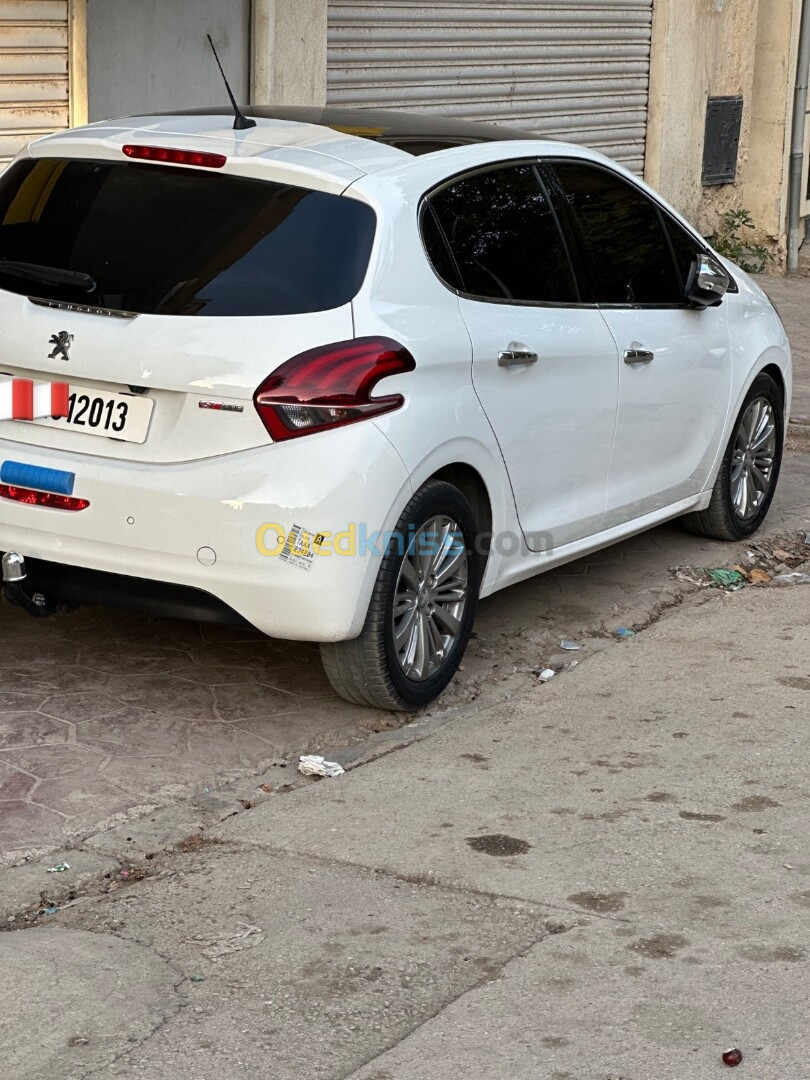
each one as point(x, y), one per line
point(516, 354)
point(637, 355)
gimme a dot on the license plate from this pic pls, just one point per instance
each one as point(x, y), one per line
point(113, 416)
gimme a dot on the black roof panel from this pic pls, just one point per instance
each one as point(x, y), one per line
point(415, 133)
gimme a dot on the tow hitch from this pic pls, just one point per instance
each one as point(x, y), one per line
point(14, 577)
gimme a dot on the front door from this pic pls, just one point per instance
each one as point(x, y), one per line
point(545, 366)
point(675, 362)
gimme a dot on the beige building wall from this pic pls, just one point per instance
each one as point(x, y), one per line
point(704, 48)
point(766, 193)
point(289, 52)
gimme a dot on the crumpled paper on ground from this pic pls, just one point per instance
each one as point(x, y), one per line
point(314, 765)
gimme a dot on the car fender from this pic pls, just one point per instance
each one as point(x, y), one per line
point(758, 340)
point(772, 356)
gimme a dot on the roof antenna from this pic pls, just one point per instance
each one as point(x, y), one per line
point(240, 121)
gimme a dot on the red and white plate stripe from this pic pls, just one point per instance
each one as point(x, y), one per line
point(24, 399)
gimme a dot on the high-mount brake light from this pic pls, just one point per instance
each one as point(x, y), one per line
point(165, 155)
point(330, 386)
point(42, 498)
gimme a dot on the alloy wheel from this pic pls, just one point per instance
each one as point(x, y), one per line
point(753, 458)
point(430, 598)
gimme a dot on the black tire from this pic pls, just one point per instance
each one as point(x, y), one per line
point(366, 670)
point(720, 520)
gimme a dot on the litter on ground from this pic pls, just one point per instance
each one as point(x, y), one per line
point(315, 765)
point(727, 579)
point(570, 646)
point(791, 579)
point(245, 938)
point(546, 674)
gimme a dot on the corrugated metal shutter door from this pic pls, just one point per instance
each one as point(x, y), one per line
point(33, 71)
point(576, 69)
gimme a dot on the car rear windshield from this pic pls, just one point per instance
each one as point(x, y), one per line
point(165, 240)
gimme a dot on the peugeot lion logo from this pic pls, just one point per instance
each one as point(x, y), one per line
point(61, 345)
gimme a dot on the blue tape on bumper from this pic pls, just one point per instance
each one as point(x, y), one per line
point(32, 476)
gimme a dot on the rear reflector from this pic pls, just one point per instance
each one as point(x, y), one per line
point(165, 155)
point(42, 498)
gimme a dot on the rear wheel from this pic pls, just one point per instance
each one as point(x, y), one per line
point(421, 611)
point(749, 473)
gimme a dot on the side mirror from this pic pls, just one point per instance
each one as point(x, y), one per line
point(708, 282)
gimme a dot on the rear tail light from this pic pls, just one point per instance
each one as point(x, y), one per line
point(175, 157)
point(330, 386)
point(42, 498)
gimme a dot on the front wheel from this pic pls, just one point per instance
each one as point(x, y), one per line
point(421, 611)
point(746, 483)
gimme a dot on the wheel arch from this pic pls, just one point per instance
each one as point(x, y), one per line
point(472, 486)
point(778, 377)
point(776, 371)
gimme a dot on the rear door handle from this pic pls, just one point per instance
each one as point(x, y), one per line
point(516, 354)
point(638, 356)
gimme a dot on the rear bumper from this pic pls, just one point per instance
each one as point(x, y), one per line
point(182, 539)
point(77, 585)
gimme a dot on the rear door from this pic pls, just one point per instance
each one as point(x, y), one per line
point(164, 295)
point(544, 363)
point(675, 369)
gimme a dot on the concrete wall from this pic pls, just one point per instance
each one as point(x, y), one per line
point(289, 52)
point(766, 188)
point(704, 48)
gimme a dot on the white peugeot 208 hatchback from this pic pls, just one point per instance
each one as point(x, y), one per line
point(338, 375)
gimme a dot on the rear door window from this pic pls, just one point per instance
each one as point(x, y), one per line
point(504, 237)
point(164, 240)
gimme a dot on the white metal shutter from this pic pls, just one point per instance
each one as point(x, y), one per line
point(575, 69)
point(33, 71)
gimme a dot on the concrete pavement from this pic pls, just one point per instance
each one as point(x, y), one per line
point(607, 877)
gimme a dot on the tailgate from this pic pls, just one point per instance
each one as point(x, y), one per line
point(164, 295)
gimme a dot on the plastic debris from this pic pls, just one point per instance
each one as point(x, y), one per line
point(60, 868)
point(246, 938)
point(546, 674)
point(314, 765)
point(623, 632)
point(727, 579)
point(570, 646)
point(791, 579)
point(130, 874)
point(197, 978)
point(732, 1057)
point(759, 577)
point(692, 576)
point(51, 909)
